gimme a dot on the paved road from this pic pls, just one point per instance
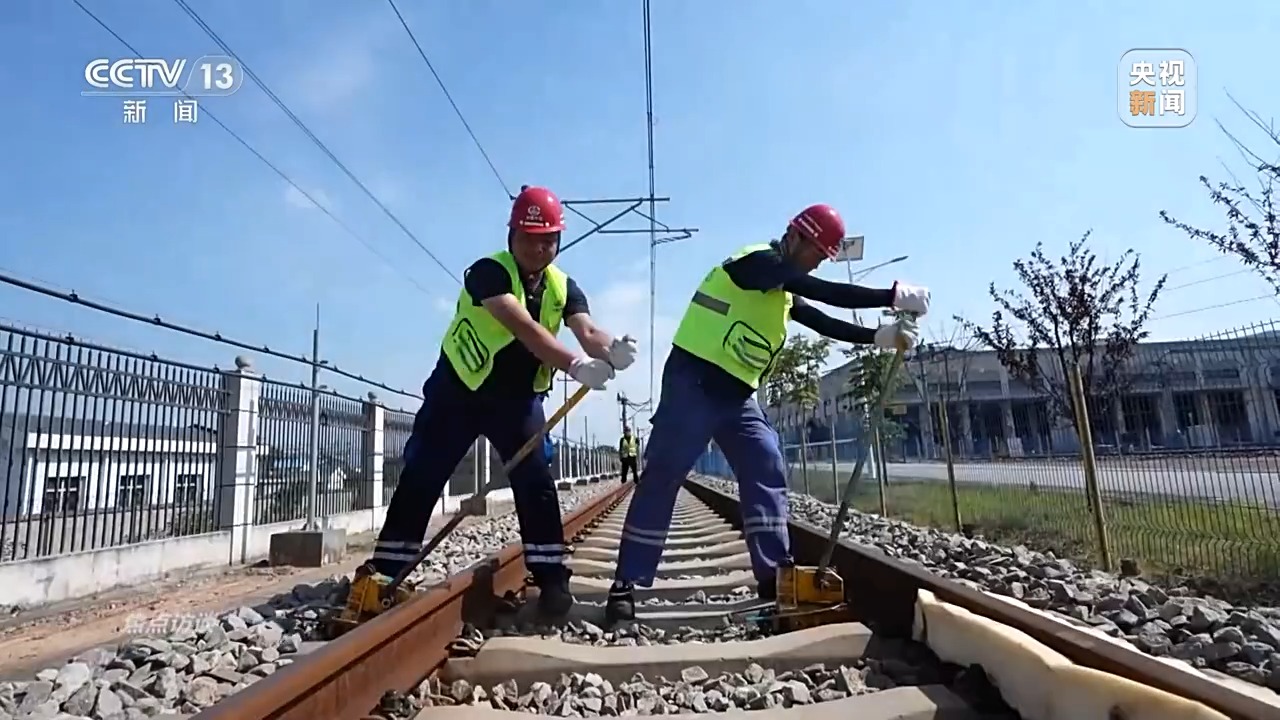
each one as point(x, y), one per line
point(1252, 488)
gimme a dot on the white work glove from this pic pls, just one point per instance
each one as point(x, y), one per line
point(591, 372)
point(622, 352)
point(901, 334)
point(911, 298)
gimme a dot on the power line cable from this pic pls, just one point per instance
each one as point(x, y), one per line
point(274, 168)
point(156, 321)
point(422, 53)
point(213, 35)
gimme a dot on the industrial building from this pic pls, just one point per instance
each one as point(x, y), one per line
point(1173, 395)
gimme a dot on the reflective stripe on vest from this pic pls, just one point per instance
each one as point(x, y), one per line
point(475, 336)
point(740, 331)
point(629, 447)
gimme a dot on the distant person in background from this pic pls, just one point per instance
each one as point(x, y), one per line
point(627, 451)
point(548, 448)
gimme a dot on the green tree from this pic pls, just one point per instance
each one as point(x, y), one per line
point(868, 376)
point(869, 373)
point(1252, 233)
point(1078, 311)
point(796, 372)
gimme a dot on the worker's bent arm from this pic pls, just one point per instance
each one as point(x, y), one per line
point(841, 295)
point(544, 346)
point(766, 270)
point(594, 341)
point(827, 326)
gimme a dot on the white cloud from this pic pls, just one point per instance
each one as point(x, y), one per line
point(297, 199)
point(444, 306)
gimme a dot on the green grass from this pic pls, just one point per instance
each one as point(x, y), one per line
point(1227, 548)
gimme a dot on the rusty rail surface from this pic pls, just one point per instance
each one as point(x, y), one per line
point(346, 678)
point(890, 599)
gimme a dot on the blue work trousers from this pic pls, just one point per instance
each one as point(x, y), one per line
point(689, 415)
point(445, 428)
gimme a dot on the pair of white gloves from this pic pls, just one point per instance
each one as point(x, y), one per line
point(904, 333)
point(595, 374)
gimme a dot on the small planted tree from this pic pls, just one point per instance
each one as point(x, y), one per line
point(794, 379)
point(868, 377)
point(796, 372)
point(1252, 233)
point(1077, 310)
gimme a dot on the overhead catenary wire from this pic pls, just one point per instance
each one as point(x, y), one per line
point(423, 54)
point(1205, 308)
point(157, 321)
point(213, 35)
point(274, 168)
point(53, 336)
point(1016, 326)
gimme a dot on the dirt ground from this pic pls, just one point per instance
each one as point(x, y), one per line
point(48, 637)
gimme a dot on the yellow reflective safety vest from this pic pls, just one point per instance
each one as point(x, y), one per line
point(628, 446)
point(475, 336)
point(740, 331)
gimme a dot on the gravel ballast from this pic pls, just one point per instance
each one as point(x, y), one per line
point(177, 673)
point(1205, 632)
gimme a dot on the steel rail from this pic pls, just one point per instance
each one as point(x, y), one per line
point(346, 678)
point(883, 590)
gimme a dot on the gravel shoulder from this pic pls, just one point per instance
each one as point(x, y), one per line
point(47, 636)
point(165, 667)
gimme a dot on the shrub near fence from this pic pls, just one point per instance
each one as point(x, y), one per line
point(1185, 460)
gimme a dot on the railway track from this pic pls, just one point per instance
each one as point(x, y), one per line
point(922, 647)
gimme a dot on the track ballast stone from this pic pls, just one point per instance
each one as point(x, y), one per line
point(695, 691)
point(179, 673)
point(582, 632)
point(1170, 622)
point(683, 686)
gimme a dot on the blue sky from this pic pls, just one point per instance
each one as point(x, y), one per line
point(956, 133)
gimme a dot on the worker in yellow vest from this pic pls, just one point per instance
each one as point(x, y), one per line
point(628, 452)
point(493, 373)
point(725, 346)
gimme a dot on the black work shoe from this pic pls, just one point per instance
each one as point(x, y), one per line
point(767, 589)
point(554, 597)
point(621, 605)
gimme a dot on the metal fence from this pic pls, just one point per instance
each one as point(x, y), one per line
point(102, 447)
point(1182, 453)
point(571, 459)
point(105, 448)
point(286, 452)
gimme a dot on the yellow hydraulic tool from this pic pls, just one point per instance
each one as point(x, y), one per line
point(809, 596)
point(372, 592)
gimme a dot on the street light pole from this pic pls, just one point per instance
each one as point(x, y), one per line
point(868, 271)
point(851, 250)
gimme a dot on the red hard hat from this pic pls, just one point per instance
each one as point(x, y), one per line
point(822, 226)
point(537, 210)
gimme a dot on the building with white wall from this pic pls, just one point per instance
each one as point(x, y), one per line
point(71, 467)
point(1177, 395)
